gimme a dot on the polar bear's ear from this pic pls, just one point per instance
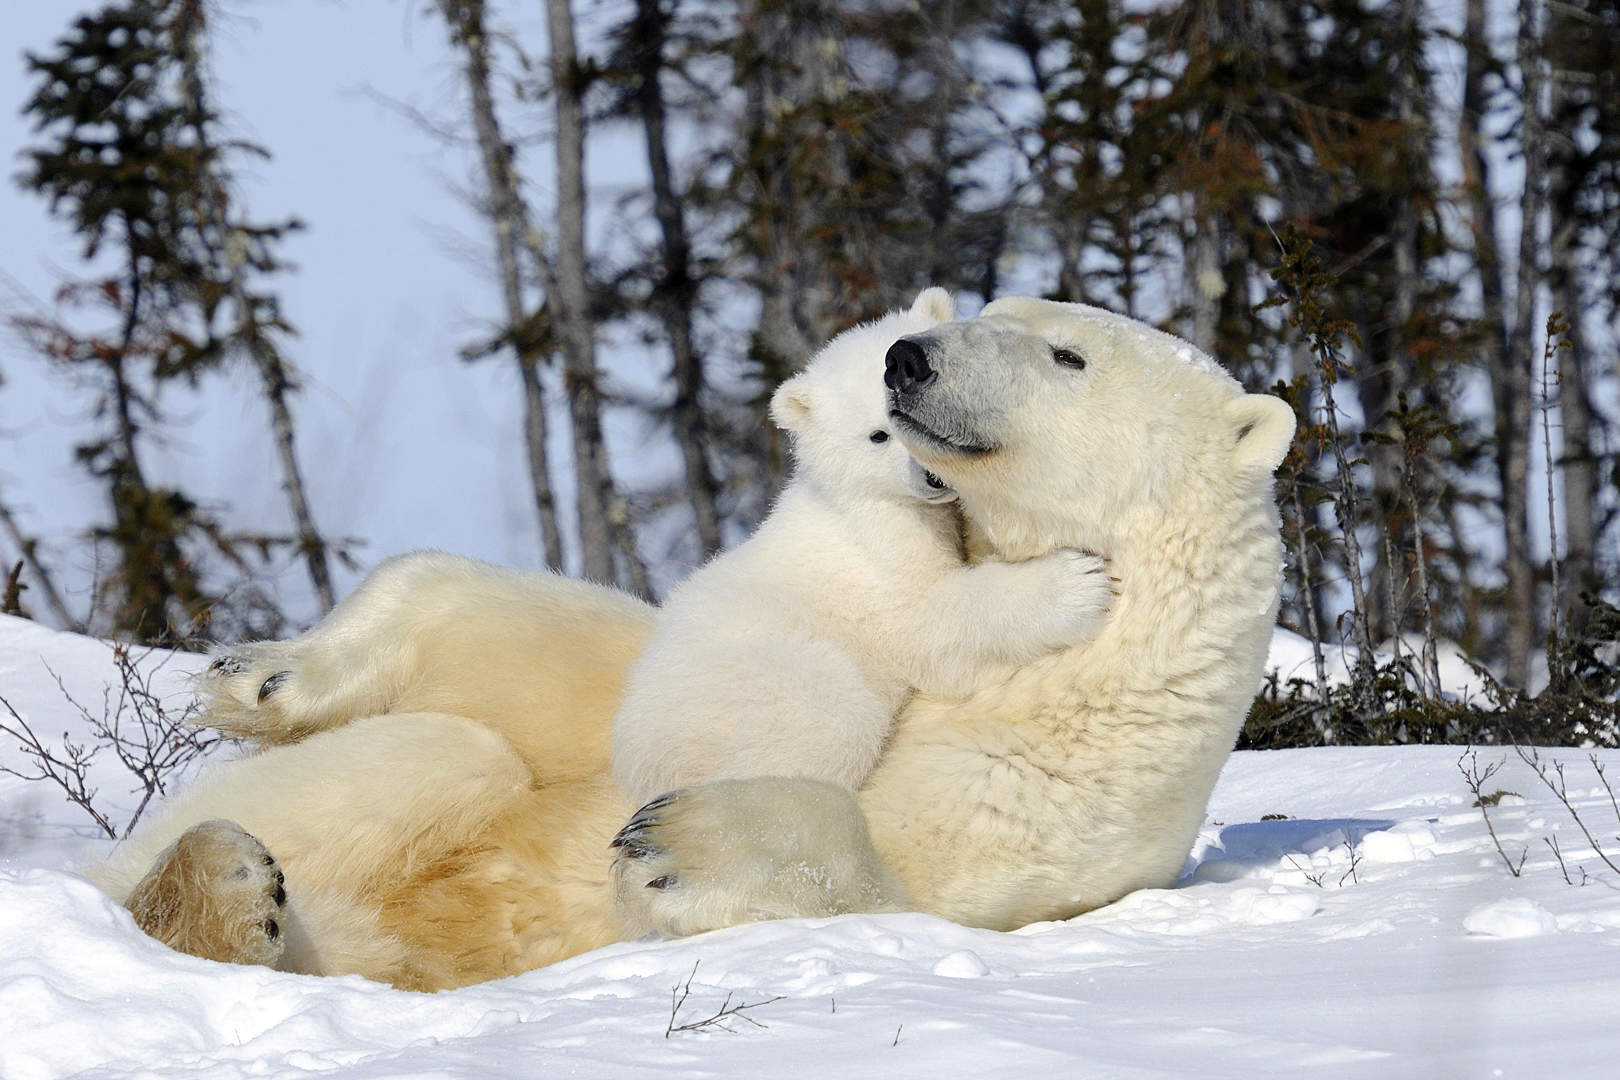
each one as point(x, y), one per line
point(792, 404)
point(1264, 429)
point(934, 303)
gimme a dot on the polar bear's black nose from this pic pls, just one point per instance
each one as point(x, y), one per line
point(905, 368)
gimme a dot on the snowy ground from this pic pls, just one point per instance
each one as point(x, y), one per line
point(1271, 959)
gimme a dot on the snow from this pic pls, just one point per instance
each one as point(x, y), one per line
point(1371, 931)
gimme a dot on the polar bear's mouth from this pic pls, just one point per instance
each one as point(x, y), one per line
point(916, 427)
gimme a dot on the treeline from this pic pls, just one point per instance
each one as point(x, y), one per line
point(812, 164)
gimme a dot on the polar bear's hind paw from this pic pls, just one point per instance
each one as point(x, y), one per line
point(217, 893)
point(229, 664)
point(267, 691)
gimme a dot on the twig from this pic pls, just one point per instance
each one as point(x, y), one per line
point(1560, 790)
point(67, 773)
point(1475, 779)
point(1351, 841)
point(1604, 780)
point(1314, 879)
point(152, 745)
point(718, 1020)
point(1552, 842)
point(897, 1032)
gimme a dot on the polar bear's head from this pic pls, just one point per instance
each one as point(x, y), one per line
point(1067, 425)
point(843, 441)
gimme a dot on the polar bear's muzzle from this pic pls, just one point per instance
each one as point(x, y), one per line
point(925, 406)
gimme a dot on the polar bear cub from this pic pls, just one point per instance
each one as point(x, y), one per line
point(791, 654)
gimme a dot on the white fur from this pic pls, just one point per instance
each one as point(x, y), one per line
point(1073, 780)
point(790, 655)
point(1084, 775)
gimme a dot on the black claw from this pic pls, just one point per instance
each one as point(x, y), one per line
point(641, 819)
point(270, 860)
point(273, 683)
point(633, 845)
point(640, 849)
point(279, 896)
point(661, 882)
point(272, 929)
point(627, 835)
point(659, 803)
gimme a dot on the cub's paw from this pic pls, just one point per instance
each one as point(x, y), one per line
point(1077, 592)
point(216, 893)
point(736, 851)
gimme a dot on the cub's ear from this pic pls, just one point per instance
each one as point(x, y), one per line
point(934, 304)
point(792, 403)
point(1263, 426)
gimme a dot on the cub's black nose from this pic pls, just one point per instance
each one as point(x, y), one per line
point(905, 368)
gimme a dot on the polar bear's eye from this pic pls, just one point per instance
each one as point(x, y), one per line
point(1069, 358)
point(880, 435)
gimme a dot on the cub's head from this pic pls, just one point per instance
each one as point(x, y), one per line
point(843, 441)
point(1064, 425)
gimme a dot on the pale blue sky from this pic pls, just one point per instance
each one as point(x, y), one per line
point(404, 444)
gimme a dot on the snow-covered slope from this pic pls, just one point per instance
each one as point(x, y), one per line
point(1271, 959)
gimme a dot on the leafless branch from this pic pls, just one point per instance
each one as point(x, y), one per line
point(1314, 879)
point(153, 744)
point(67, 771)
point(1552, 842)
point(1604, 780)
point(1352, 842)
point(1531, 757)
point(720, 1020)
point(1475, 778)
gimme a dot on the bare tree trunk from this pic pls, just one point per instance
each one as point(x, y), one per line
point(1208, 283)
point(274, 372)
point(1578, 462)
point(1579, 466)
point(602, 524)
point(1512, 391)
point(278, 386)
point(798, 58)
point(676, 293)
point(509, 215)
point(1385, 369)
point(1493, 287)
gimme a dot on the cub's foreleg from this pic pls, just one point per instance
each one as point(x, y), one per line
point(999, 615)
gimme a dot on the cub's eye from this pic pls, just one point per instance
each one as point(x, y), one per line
point(1069, 358)
point(880, 436)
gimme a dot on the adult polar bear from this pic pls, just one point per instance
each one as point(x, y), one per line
point(436, 785)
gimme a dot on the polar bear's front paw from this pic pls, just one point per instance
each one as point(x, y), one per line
point(216, 893)
point(736, 851)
